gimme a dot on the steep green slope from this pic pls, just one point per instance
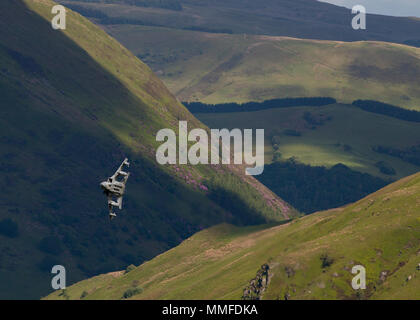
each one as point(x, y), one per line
point(74, 103)
point(218, 68)
point(308, 258)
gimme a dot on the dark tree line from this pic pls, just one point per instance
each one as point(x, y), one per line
point(366, 105)
point(310, 189)
point(410, 154)
point(198, 107)
point(388, 110)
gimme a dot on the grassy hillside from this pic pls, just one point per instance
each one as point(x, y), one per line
point(74, 103)
point(344, 134)
point(308, 258)
point(218, 68)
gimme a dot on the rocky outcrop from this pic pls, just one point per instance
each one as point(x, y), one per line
point(257, 286)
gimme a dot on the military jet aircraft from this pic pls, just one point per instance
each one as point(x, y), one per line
point(114, 188)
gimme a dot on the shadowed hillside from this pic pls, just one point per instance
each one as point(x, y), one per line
point(73, 105)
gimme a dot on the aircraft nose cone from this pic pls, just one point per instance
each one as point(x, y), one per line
point(103, 185)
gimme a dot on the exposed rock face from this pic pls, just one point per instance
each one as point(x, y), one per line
point(383, 276)
point(257, 286)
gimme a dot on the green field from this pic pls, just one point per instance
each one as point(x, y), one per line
point(309, 258)
point(219, 68)
point(329, 143)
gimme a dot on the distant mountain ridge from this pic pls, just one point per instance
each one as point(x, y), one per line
point(309, 19)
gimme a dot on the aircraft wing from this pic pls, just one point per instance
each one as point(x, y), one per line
point(120, 171)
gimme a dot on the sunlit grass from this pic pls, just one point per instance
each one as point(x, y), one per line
point(217, 68)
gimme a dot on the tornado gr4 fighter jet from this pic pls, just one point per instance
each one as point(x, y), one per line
point(114, 188)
